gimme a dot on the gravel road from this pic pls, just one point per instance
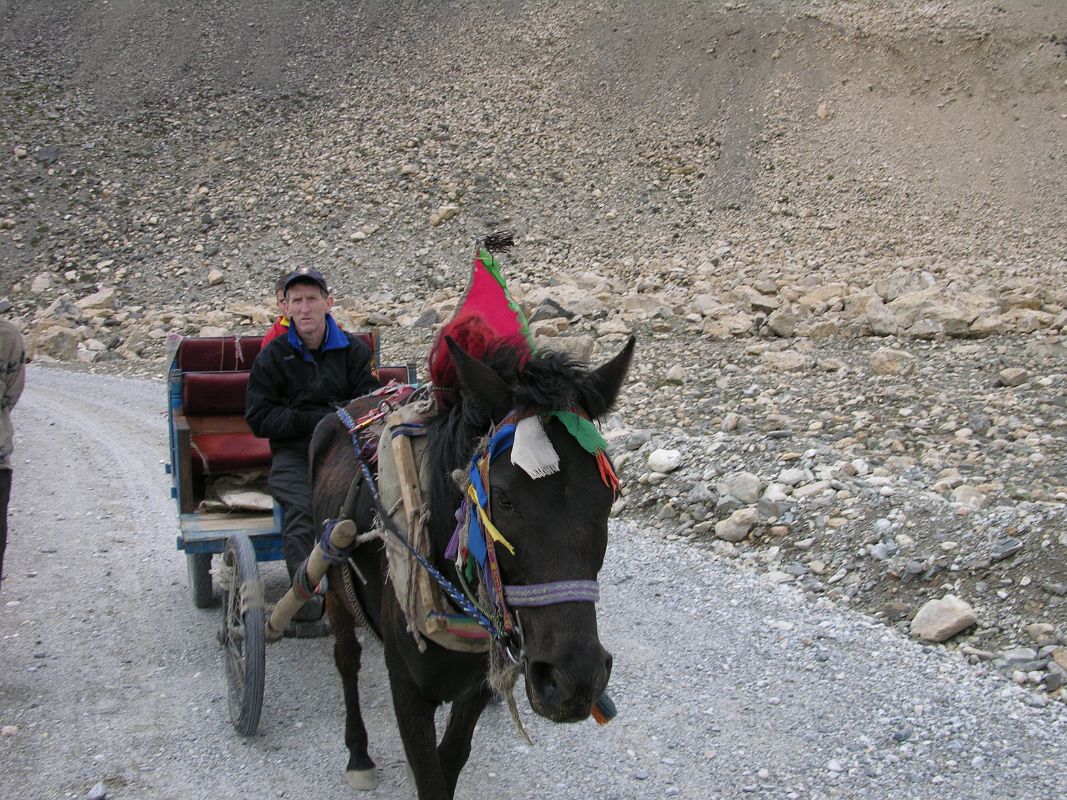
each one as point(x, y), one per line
point(725, 684)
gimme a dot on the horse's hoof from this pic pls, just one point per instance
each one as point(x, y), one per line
point(362, 780)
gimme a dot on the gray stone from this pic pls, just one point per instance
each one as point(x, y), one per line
point(427, 319)
point(744, 486)
point(738, 525)
point(791, 476)
point(1005, 548)
point(98, 792)
point(550, 309)
point(969, 496)
point(48, 154)
point(782, 323)
point(580, 348)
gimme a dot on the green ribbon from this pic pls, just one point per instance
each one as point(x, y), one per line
point(583, 430)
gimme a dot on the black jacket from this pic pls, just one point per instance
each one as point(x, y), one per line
point(290, 388)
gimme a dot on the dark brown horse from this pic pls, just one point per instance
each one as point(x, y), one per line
point(557, 525)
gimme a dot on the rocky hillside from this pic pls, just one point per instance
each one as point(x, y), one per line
point(837, 229)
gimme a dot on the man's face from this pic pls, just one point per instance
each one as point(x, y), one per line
point(280, 297)
point(307, 307)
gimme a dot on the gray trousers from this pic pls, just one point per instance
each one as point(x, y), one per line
point(5, 495)
point(290, 486)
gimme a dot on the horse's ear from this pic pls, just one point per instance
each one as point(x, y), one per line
point(606, 381)
point(489, 393)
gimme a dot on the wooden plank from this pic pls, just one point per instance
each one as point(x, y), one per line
point(411, 494)
point(184, 467)
point(215, 522)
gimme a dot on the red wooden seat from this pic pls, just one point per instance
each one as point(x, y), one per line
point(212, 435)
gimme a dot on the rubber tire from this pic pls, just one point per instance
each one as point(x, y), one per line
point(244, 637)
point(199, 567)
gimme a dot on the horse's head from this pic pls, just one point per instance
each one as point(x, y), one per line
point(555, 525)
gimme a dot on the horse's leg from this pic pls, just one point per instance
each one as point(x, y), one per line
point(455, 747)
point(414, 713)
point(346, 655)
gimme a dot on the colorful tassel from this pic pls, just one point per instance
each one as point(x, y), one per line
point(604, 710)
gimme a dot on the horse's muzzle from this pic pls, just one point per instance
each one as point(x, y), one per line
point(564, 689)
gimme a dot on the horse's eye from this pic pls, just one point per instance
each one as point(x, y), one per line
point(502, 501)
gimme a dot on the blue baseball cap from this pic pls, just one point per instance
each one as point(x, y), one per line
point(306, 274)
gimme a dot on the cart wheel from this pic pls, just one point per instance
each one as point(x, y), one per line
point(199, 566)
point(243, 635)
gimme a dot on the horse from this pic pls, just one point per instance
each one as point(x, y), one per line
point(556, 525)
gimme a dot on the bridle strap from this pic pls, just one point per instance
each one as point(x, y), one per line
point(547, 594)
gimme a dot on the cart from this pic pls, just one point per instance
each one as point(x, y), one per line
point(210, 442)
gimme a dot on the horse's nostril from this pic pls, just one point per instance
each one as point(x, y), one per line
point(543, 676)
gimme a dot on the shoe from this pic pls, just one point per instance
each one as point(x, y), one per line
point(308, 622)
point(311, 611)
point(307, 630)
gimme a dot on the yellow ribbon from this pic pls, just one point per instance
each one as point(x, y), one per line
point(489, 526)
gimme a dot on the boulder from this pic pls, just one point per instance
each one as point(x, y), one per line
point(939, 620)
point(888, 361)
point(58, 343)
point(105, 298)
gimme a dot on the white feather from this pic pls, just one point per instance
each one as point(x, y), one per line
point(532, 451)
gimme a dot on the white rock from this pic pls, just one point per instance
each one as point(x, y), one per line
point(214, 278)
point(664, 460)
point(42, 283)
point(676, 374)
point(811, 490)
point(791, 476)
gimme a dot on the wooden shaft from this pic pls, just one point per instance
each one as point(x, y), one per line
point(341, 537)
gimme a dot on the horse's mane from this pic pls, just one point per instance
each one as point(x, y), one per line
point(545, 381)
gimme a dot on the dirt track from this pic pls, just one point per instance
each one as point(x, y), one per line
point(723, 681)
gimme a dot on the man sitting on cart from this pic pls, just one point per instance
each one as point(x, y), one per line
point(296, 380)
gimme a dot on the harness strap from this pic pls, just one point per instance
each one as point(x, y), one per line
point(546, 594)
point(454, 594)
